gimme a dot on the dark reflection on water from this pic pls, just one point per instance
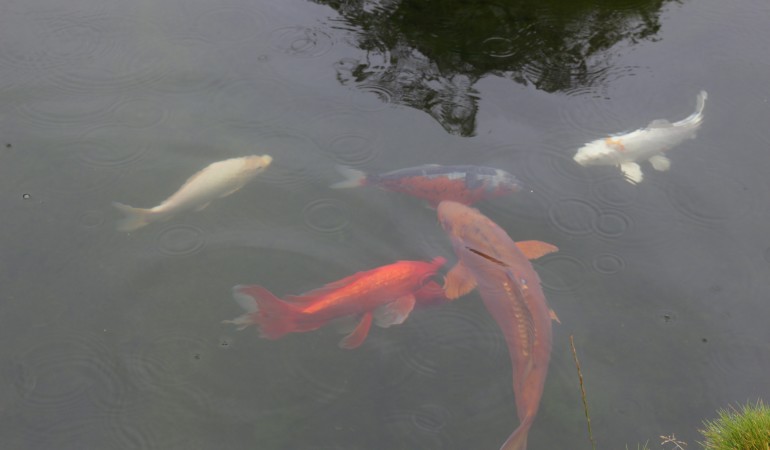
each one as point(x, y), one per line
point(429, 54)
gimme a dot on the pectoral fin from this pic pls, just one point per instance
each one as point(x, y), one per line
point(660, 162)
point(394, 313)
point(459, 281)
point(553, 315)
point(632, 171)
point(359, 333)
point(536, 249)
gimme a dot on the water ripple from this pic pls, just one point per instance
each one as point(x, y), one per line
point(723, 197)
point(311, 370)
point(250, 102)
point(174, 417)
point(63, 369)
point(40, 42)
point(55, 111)
point(612, 224)
point(454, 331)
point(73, 177)
point(573, 217)
point(614, 191)
point(137, 56)
point(608, 263)
point(342, 136)
point(553, 161)
point(167, 359)
point(560, 272)
point(301, 41)
point(181, 240)
point(103, 148)
point(327, 216)
point(139, 112)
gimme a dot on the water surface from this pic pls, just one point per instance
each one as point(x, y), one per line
point(114, 340)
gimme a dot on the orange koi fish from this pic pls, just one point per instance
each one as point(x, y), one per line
point(510, 288)
point(385, 295)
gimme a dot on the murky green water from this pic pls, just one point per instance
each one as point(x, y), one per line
point(113, 340)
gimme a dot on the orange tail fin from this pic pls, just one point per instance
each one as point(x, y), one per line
point(273, 316)
point(518, 439)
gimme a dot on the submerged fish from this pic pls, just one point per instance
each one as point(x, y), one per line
point(217, 180)
point(626, 150)
point(385, 295)
point(510, 288)
point(434, 183)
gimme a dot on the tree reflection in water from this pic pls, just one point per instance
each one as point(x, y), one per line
point(428, 54)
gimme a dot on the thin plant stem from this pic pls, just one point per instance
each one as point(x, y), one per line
point(582, 391)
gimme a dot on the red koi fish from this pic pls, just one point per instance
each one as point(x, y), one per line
point(385, 295)
point(434, 183)
point(510, 288)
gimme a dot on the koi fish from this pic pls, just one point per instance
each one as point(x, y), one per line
point(650, 143)
point(490, 261)
point(434, 183)
point(217, 180)
point(385, 295)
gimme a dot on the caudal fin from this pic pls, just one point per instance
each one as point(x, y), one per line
point(696, 117)
point(701, 102)
point(135, 218)
point(273, 316)
point(353, 178)
point(518, 439)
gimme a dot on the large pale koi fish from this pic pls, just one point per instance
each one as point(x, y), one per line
point(217, 180)
point(650, 143)
point(385, 295)
point(490, 261)
point(434, 183)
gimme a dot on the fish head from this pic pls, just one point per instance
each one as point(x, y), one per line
point(255, 164)
point(461, 222)
point(601, 152)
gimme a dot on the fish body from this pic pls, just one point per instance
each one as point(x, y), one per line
point(217, 180)
point(489, 260)
point(649, 143)
point(385, 295)
point(434, 183)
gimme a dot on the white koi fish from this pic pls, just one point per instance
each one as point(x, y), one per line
point(217, 180)
point(626, 150)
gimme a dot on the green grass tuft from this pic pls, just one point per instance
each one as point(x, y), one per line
point(747, 429)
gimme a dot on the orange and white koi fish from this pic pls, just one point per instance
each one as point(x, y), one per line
point(650, 143)
point(434, 183)
point(490, 261)
point(385, 295)
point(217, 180)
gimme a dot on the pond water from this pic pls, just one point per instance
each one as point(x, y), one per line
point(114, 340)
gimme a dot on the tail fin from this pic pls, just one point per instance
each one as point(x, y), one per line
point(353, 178)
point(697, 117)
point(518, 439)
point(701, 102)
point(273, 316)
point(135, 218)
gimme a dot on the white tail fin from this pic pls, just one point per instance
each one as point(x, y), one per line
point(135, 217)
point(701, 102)
point(696, 117)
point(353, 178)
